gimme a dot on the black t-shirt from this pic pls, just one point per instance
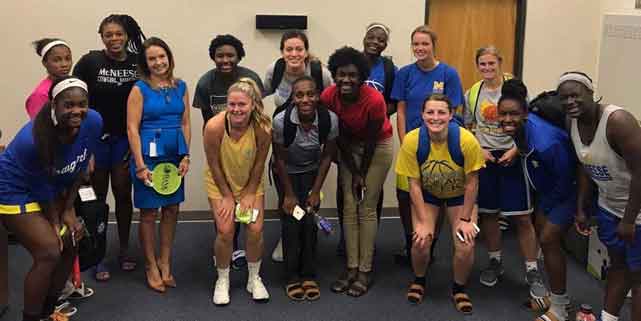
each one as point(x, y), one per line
point(211, 91)
point(109, 83)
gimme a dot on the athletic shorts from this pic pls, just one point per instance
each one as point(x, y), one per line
point(561, 213)
point(110, 151)
point(17, 209)
point(438, 202)
point(503, 189)
point(608, 235)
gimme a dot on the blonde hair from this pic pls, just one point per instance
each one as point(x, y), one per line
point(426, 30)
point(489, 50)
point(251, 89)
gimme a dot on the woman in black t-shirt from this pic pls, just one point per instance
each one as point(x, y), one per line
point(110, 74)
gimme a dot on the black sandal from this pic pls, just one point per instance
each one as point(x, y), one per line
point(344, 281)
point(360, 286)
point(295, 291)
point(415, 293)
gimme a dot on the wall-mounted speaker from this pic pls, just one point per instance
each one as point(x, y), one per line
point(265, 21)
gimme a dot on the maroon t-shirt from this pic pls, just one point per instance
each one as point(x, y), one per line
point(370, 106)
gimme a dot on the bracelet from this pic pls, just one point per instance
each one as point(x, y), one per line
point(138, 170)
point(466, 220)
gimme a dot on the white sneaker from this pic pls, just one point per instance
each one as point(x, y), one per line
point(277, 255)
point(257, 289)
point(221, 291)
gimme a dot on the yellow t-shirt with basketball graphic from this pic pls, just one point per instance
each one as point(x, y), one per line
point(439, 174)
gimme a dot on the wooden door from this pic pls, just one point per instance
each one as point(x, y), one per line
point(462, 26)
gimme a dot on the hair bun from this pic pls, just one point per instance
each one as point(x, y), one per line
point(514, 88)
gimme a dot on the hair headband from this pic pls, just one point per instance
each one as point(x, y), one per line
point(65, 84)
point(378, 25)
point(47, 47)
point(573, 76)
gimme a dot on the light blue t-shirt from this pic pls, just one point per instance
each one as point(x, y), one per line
point(413, 85)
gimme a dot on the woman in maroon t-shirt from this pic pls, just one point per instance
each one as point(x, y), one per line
point(365, 153)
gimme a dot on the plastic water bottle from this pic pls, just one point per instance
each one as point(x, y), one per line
point(585, 313)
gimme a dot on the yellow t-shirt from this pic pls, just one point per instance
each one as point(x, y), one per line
point(439, 174)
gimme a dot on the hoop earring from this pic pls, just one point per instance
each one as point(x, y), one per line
point(53, 117)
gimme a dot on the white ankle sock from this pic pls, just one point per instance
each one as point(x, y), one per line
point(495, 255)
point(223, 273)
point(608, 317)
point(531, 265)
point(253, 268)
point(558, 303)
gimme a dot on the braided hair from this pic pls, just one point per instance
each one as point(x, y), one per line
point(131, 27)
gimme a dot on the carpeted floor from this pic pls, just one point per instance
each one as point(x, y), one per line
point(126, 297)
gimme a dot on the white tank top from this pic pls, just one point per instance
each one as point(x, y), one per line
point(607, 169)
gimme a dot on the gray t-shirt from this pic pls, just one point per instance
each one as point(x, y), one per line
point(285, 87)
point(211, 91)
point(304, 154)
point(485, 116)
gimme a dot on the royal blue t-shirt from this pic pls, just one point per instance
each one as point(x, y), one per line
point(23, 177)
point(413, 85)
point(377, 79)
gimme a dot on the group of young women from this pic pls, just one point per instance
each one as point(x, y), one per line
point(124, 114)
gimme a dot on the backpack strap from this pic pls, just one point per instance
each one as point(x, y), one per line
point(277, 76)
point(453, 144)
point(388, 70)
point(473, 98)
point(289, 128)
point(316, 70)
point(324, 124)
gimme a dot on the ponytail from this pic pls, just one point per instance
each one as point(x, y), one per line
point(251, 89)
point(45, 137)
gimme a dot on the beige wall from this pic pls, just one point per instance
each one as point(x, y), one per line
point(560, 35)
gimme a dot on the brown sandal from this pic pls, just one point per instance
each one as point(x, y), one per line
point(342, 284)
point(312, 291)
point(295, 292)
point(462, 303)
point(415, 293)
point(360, 286)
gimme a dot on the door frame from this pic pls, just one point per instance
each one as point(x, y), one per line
point(519, 34)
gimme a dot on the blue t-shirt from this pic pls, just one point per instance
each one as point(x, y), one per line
point(550, 161)
point(413, 85)
point(23, 177)
point(377, 79)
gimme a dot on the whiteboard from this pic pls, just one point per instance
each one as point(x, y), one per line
point(620, 62)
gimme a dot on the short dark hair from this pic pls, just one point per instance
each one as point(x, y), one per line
point(294, 34)
point(143, 68)
point(438, 97)
point(227, 39)
point(347, 56)
point(304, 78)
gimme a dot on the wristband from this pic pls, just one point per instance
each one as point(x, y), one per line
point(466, 220)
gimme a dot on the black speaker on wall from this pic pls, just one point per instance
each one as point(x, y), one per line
point(268, 21)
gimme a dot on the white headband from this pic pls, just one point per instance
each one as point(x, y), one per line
point(378, 25)
point(67, 83)
point(573, 76)
point(50, 45)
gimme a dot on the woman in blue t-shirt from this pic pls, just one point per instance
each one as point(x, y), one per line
point(40, 173)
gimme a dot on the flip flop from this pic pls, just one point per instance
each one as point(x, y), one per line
point(101, 273)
